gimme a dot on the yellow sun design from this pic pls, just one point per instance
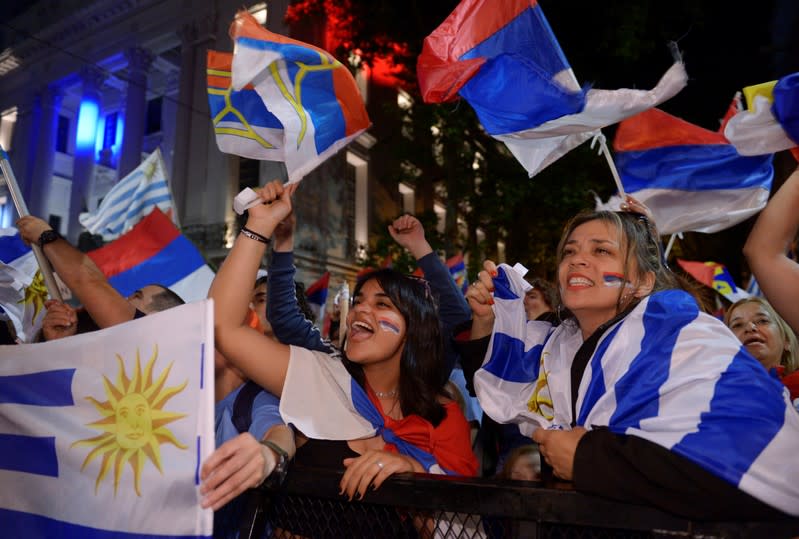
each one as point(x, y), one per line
point(133, 422)
point(35, 294)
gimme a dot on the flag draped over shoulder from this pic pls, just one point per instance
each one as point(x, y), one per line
point(503, 58)
point(691, 178)
point(131, 199)
point(771, 123)
point(155, 252)
point(310, 106)
point(22, 288)
point(715, 276)
point(666, 372)
point(102, 435)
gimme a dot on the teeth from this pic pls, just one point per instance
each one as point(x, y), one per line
point(362, 325)
point(580, 281)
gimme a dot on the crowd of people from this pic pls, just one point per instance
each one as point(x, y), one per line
point(612, 378)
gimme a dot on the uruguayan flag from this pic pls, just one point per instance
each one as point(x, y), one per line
point(22, 289)
point(131, 199)
point(666, 373)
point(102, 435)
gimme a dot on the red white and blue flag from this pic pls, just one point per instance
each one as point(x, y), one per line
point(316, 294)
point(690, 177)
point(457, 268)
point(155, 252)
point(313, 105)
point(504, 59)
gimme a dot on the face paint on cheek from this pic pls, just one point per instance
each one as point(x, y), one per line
point(615, 280)
point(386, 325)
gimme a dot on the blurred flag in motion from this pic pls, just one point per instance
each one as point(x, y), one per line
point(457, 268)
point(689, 177)
point(131, 199)
point(155, 252)
point(22, 289)
point(313, 107)
point(715, 276)
point(316, 294)
point(503, 58)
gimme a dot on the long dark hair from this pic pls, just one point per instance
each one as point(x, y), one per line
point(422, 360)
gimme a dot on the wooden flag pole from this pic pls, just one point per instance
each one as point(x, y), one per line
point(22, 211)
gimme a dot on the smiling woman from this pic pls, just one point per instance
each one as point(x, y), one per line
point(636, 395)
point(382, 401)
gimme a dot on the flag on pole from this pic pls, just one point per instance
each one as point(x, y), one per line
point(131, 199)
point(22, 289)
point(504, 59)
point(771, 122)
point(155, 252)
point(312, 105)
point(316, 294)
point(715, 276)
point(457, 268)
point(102, 435)
point(691, 178)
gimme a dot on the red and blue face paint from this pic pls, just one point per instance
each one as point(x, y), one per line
point(614, 280)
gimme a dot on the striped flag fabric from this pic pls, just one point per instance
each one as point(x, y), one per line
point(155, 252)
point(131, 199)
point(691, 178)
point(715, 276)
point(102, 435)
point(316, 294)
point(771, 122)
point(22, 288)
point(753, 288)
point(312, 107)
point(504, 59)
point(666, 372)
point(457, 268)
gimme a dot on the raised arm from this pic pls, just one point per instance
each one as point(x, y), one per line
point(260, 358)
point(283, 311)
point(105, 305)
point(767, 247)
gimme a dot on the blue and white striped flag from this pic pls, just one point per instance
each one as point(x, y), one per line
point(753, 288)
point(22, 289)
point(102, 435)
point(666, 373)
point(131, 199)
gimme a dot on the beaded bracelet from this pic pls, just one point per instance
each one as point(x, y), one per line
point(254, 235)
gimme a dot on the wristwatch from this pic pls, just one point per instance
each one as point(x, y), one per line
point(48, 236)
point(278, 475)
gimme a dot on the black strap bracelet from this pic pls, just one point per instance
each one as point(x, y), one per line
point(254, 235)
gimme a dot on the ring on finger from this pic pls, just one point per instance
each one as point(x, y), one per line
point(380, 464)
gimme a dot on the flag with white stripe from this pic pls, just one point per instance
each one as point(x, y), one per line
point(102, 435)
point(131, 199)
point(667, 373)
point(22, 289)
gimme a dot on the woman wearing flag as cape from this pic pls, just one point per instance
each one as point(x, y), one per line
point(636, 395)
point(383, 400)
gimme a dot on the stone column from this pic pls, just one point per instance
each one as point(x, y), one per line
point(37, 190)
point(83, 167)
point(139, 61)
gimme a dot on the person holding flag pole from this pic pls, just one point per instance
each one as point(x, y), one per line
point(22, 211)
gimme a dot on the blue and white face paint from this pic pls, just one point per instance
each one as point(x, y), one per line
point(615, 280)
point(387, 325)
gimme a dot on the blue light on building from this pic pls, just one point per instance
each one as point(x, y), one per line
point(87, 126)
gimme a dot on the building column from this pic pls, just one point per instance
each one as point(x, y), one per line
point(139, 61)
point(85, 141)
point(37, 190)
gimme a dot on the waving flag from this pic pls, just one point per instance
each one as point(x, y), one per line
point(22, 289)
point(102, 435)
point(313, 106)
point(155, 252)
point(771, 123)
point(665, 372)
point(131, 199)
point(691, 178)
point(457, 268)
point(503, 58)
point(316, 295)
point(715, 276)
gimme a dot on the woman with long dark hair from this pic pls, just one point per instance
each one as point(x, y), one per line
point(382, 402)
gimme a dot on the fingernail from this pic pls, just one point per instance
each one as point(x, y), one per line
point(491, 301)
point(494, 274)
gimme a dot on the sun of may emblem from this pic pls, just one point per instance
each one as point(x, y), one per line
point(35, 294)
point(134, 422)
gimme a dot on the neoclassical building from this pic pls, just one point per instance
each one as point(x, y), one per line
point(89, 88)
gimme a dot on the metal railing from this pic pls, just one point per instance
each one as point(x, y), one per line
point(427, 506)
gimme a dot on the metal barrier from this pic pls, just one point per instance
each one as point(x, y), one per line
point(427, 506)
